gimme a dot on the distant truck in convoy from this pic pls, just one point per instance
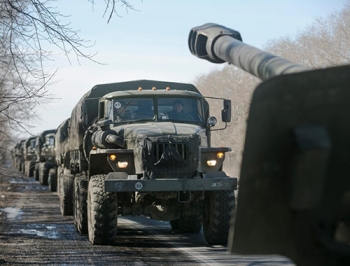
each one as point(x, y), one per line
point(17, 155)
point(45, 153)
point(144, 148)
point(62, 159)
point(29, 156)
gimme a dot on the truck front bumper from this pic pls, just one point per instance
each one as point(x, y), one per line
point(209, 182)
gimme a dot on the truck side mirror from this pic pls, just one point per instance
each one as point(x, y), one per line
point(226, 112)
point(105, 122)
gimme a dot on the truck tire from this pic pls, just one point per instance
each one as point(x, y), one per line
point(102, 212)
point(191, 218)
point(43, 174)
point(218, 209)
point(66, 199)
point(59, 174)
point(31, 169)
point(26, 168)
point(174, 224)
point(52, 180)
point(80, 203)
point(36, 172)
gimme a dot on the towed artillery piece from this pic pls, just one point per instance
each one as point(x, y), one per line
point(294, 188)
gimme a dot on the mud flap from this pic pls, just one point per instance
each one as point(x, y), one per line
point(294, 194)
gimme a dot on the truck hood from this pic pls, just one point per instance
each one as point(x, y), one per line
point(136, 131)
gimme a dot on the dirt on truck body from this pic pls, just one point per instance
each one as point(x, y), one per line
point(144, 148)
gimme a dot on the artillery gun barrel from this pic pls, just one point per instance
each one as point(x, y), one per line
point(219, 44)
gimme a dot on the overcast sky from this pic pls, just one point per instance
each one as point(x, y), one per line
point(151, 43)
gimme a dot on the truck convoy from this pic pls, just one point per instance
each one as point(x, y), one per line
point(129, 152)
point(294, 184)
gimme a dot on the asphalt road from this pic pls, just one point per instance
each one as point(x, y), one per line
point(33, 232)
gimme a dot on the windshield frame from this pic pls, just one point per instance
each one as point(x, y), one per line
point(156, 106)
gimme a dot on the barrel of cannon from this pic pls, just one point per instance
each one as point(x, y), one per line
point(294, 187)
point(219, 44)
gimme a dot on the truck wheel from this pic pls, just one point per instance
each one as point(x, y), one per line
point(23, 168)
point(191, 218)
point(43, 175)
point(52, 180)
point(218, 209)
point(31, 169)
point(59, 174)
point(66, 199)
point(80, 204)
point(174, 224)
point(102, 212)
point(36, 172)
point(26, 168)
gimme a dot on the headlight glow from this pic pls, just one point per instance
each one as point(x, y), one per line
point(220, 155)
point(113, 157)
point(122, 164)
point(211, 162)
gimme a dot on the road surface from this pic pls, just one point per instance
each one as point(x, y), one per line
point(33, 231)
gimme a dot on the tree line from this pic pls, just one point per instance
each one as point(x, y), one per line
point(28, 28)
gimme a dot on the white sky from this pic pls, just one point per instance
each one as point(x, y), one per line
point(152, 43)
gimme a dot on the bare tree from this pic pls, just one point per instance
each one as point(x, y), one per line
point(112, 9)
point(325, 43)
point(26, 27)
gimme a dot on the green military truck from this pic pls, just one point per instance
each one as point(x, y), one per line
point(45, 153)
point(62, 159)
point(29, 156)
point(144, 148)
point(17, 155)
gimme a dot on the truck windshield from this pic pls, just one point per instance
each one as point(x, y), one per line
point(32, 143)
point(160, 108)
point(133, 109)
point(180, 109)
point(50, 140)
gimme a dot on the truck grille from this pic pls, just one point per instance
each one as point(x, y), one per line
point(181, 148)
point(170, 157)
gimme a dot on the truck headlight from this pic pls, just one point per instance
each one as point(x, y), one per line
point(113, 157)
point(122, 164)
point(220, 155)
point(211, 162)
